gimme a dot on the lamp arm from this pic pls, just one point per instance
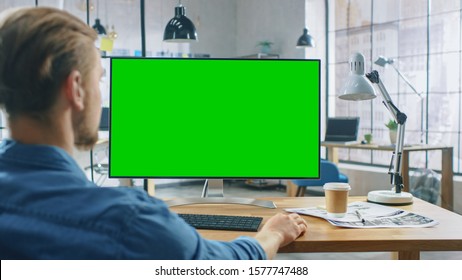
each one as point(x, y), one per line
point(421, 102)
point(400, 119)
point(407, 81)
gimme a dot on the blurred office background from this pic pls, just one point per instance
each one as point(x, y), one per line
point(423, 37)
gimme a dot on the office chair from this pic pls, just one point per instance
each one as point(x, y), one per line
point(329, 173)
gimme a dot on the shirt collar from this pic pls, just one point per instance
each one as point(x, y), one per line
point(42, 155)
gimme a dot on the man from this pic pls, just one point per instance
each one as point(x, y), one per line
point(49, 74)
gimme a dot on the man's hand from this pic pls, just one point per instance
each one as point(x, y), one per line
point(279, 231)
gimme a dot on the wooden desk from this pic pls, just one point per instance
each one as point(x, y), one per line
point(447, 183)
point(324, 237)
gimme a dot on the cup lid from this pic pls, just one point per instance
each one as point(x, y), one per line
point(337, 186)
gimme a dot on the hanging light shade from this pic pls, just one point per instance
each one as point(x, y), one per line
point(180, 28)
point(306, 40)
point(99, 28)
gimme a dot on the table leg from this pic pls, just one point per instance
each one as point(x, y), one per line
point(332, 154)
point(91, 166)
point(447, 183)
point(405, 170)
point(409, 255)
point(291, 189)
point(149, 186)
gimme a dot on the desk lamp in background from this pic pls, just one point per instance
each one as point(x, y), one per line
point(383, 61)
point(359, 88)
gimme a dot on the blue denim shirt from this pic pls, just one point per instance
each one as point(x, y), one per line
point(50, 210)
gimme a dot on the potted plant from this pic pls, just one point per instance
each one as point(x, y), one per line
point(368, 138)
point(393, 130)
point(265, 46)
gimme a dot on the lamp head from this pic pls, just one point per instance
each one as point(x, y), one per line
point(99, 28)
point(357, 86)
point(180, 29)
point(306, 40)
point(382, 61)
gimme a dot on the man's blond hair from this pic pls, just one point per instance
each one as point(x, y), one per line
point(39, 48)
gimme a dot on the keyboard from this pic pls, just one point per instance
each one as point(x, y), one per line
point(222, 222)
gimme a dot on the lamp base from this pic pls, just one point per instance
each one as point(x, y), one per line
point(390, 198)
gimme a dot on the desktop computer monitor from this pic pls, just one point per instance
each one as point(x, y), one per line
point(214, 118)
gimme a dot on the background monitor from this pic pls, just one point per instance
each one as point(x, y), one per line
point(342, 129)
point(104, 120)
point(214, 118)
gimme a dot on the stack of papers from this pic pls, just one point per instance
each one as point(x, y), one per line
point(370, 215)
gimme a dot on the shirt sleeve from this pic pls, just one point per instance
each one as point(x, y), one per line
point(154, 232)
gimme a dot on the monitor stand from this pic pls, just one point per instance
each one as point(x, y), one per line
point(212, 193)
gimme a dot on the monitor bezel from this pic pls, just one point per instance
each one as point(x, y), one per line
point(217, 177)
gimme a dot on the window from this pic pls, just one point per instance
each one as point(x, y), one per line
point(424, 39)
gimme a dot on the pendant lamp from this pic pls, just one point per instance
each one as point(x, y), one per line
point(98, 27)
point(180, 29)
point(306, 40)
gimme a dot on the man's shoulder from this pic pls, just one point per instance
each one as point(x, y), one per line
point(121, 199)
point(81, 205)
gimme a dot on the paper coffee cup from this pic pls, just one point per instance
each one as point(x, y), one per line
point(336, 199)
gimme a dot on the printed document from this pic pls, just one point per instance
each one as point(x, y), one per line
point(370, 215)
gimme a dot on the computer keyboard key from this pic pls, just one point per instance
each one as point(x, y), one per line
point(223, 222)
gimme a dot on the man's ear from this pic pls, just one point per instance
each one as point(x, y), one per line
point(74, 90)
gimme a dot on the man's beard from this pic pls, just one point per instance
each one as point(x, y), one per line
point(84, 137)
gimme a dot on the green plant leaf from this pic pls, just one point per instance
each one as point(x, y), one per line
point(392, 125)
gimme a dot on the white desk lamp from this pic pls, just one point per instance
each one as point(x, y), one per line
point(359, 88)
point(383, 62)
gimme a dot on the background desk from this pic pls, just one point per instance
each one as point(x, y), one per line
point(447, 183)
point(324, 237)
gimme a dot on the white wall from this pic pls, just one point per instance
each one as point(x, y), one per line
point(231, 28)
point(279, 21)
point(215, 23)
point(316, 23)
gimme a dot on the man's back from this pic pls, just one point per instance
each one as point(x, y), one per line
point(49, 210)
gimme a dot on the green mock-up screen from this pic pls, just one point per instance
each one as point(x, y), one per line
point(214, 118)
